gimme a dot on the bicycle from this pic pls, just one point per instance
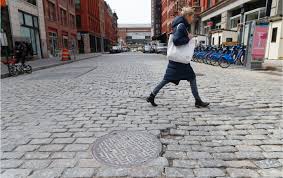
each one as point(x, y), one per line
point(23, 68)
point(236, 56)
point(17, 68)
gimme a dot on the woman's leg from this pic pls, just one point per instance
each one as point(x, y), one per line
point(194, 89)
point(159, 87)
point(151, 97)
point(199, 103)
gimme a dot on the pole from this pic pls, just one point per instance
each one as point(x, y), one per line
point(242, 24)
point(249, 47)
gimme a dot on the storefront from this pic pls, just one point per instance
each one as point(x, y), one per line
point(29, 30)
point(27, 23)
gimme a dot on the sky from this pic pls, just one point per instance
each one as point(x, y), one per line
point(132, 11)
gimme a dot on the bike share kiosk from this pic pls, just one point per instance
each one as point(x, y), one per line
point(256, 43)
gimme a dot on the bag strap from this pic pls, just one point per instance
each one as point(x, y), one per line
point(179, 25)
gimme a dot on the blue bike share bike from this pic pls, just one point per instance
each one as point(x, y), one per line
point(223, 56)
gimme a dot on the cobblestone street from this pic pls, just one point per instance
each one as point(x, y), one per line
point(51, 119)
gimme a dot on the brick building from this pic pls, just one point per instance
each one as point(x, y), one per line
point(110, 26)
point(60, 24)
point(6, 34)
point(155, 18)
point(172, 8)
point(96, 25)
point(88, 25)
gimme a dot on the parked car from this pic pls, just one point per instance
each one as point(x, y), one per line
point(125, 49)
point(148, 49)
point(115, 49)
point(161, 48)
point(154, 48)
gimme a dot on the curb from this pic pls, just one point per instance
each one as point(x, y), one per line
point(53, 65)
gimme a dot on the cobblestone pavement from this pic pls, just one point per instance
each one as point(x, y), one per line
point(51, 118)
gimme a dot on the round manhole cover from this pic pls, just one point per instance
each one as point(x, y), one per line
point(125, 148)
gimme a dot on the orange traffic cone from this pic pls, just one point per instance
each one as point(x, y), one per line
point(65, 55)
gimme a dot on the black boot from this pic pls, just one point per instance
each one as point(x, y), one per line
point(150, 99)
point(200, 104)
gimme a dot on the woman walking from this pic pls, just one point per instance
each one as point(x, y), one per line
point(179, 71)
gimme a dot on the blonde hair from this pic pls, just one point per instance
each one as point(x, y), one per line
point(187, 11)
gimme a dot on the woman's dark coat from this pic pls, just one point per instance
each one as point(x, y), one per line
point(178, 71)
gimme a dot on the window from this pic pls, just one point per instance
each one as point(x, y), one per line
point(78, 4)
point(78, 21)
point(29, 30)
point(252, 16)
point(53, 42)
point(63, 17)
point(255, 14)
point(65, 41)
point(51, 11)
point(28, 20)
point(229, 39)
point(262, 14)
point(31, 1)
point(208, 3)
point(274, 35)
point(21, 17)
point(72, 21)
point(35, 22)
point(234, 21)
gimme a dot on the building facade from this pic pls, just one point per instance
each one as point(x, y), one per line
point(60, 24)
point(88, 26)
point(110, 27)
point(6, 35)
point(235, 15)
point(172, 8)
point(27, 23)
point(274, 48)
point(96, 26)
point(134, 35)
point(156, 18)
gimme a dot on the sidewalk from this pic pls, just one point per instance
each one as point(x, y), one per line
point(40, 64)
point(273, 65)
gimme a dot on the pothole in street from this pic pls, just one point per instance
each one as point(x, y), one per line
point(126, 148)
